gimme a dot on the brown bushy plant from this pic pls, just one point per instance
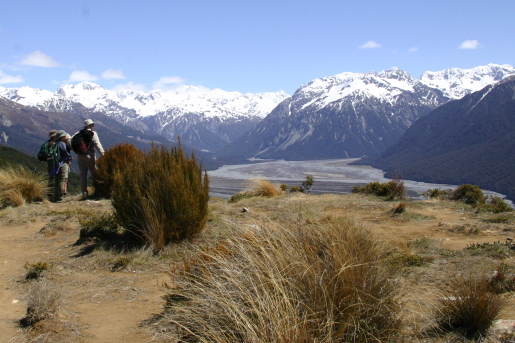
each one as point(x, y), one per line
point(287, 283)
point(163, 197)
point(259, 188)
point(469, 307)
point(117, 157)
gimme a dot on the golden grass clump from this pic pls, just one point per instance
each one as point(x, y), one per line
point(44, 301)
point(162, 198)
point(258, 188)
point(287, 283)
point(19, 185)
point(117, 157)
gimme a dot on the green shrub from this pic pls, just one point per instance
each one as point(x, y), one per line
point(438, 193)
point(469, 194)
point(308, 183)
point(496, 204)
point(163, 197)
point(468, 307)
point(391, 190)
point(35, 270)
point(102, 225)
point(117, 157)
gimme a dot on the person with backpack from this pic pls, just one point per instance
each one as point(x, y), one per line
point(47, 153)
point(84, 144)
point(61, 169)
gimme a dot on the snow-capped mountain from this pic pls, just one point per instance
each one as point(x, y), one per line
point(354, 114)
point(205, 119)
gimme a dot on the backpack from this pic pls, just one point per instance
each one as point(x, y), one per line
point(49, 152)
point(81, 142)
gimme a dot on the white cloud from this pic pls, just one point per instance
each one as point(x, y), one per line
point(111, 74)
point(167, 82)
point(4, 78)
point(370, 45)
point(81, 76)
point(39, 59)
point(129, 86)
point(415, 49)
point(469, 44)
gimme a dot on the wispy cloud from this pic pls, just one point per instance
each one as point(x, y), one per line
point(167, 82)
point(370, 45)
point(81, 76)
point(4, 78)
point(414, 49)
point(469, 44)
point(39, 59)
point(129, 86)
point(112, 74)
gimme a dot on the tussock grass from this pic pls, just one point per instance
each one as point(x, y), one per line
point(19, 185)
point(258, 188)
point(287, 283)
point(468, 307)
point(44, 300)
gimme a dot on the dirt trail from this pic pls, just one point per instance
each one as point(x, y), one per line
point(99, 305)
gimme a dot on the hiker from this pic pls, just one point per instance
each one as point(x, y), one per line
point(84, 144)
point(61, 170)
point(45, 156)
point(66, 140)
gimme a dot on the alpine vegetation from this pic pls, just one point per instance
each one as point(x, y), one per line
point(161, 198)
point(114, 159)
point(19, 185)
point(287, 283)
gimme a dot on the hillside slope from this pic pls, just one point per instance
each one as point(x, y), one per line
point(464, 141)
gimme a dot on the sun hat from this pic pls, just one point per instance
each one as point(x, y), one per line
point(52, 133)
point(61, 133)
point(88, 122)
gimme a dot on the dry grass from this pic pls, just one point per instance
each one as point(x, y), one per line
point(469, 307)
point(19, 185)
point(258, 188)
point(44, 300)
point(287, 283)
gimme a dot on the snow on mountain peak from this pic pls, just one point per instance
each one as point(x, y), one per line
point(457, 83)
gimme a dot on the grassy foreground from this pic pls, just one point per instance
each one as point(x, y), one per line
point(292, 268)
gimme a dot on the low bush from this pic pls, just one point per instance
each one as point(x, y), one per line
point(496, 204)
point(469, 194)
point(35, 270)
point(468, 307)
point(43, 302)
point(162, 198)
point(503, 279)
point(102, 225)
point(438, 193)
point(117, 157)
point(392, 190)
point(289, 283)
point(19, 185)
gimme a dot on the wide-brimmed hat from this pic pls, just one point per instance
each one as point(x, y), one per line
point(88, 122)
point(52, 133)
point(61, 133)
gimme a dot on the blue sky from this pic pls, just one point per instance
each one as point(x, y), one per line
point(243, 45)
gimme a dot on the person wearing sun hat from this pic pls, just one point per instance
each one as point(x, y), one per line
point(87, 159)
point(61, 171)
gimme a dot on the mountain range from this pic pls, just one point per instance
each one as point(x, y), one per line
point(469, 140)
point(353, 114)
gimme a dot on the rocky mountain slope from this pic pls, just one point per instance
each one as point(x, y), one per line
point(352, 114)
point(464, 141)
point(205, 119)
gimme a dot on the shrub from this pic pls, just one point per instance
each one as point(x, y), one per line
point(35, 270)
point(391, 190)
point(503, 279)
point(438, 193)
point(19, 185)
point(496, 204)
point(101, 225)
point(117, 157)
point(44, 300)
point(162, 198)
point(308, 183)
point(399, 209)
point(287, 283)
point(469, 194)
point(468, 308)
